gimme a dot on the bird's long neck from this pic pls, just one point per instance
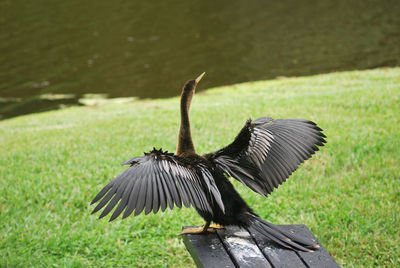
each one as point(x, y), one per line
point(185, 143)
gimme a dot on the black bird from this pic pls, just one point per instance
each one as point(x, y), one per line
point(262, 156)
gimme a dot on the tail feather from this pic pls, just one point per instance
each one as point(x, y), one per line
point(281, 237)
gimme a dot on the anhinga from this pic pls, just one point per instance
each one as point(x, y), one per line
point(262, 156)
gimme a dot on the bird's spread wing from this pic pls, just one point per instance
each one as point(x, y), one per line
point(157, 180)
point(267, 151)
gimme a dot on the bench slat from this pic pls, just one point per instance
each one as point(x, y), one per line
point(207, 251)
point(235, 247)
point(242, 248)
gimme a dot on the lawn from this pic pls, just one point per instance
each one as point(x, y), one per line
point(52, 164)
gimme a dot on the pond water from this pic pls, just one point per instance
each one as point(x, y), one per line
point(55, 52)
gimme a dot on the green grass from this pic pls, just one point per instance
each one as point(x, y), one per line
point(52, 164)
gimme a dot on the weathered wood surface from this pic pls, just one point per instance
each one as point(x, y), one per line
point(207, 251)
point(235, 247)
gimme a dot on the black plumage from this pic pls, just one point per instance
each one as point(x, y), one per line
point(262, 156)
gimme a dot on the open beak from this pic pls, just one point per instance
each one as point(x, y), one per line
point(197, 80)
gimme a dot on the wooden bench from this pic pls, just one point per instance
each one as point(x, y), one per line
point(235, 247)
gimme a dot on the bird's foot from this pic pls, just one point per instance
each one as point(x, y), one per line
point(217, 226)
point(198, 230)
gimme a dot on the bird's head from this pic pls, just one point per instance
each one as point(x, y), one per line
point(190, 85)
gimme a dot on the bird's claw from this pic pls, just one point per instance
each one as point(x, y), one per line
point(217, 226)
point(197, 230)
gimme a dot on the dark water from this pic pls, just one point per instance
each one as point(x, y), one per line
point(150, 48)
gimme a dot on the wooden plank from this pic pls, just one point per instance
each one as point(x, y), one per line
point(277, 256)
point(207, 250)
point(242, 248)
point(319, 258)
point(237, 247)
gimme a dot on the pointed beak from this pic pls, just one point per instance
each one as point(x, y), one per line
point(197, 80)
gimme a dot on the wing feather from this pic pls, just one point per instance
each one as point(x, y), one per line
point(141, 196)
point(161, 191)
point(174, 191)
point(132, 198)
point(156, 181)
point(165, 181)
point(188, 191)
point(104, 201)
point(204, 205)
point(115, 199)
point(156, 197)
point(149, 194)
point(183, 193)
point(125, 197)
point(266, 151)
